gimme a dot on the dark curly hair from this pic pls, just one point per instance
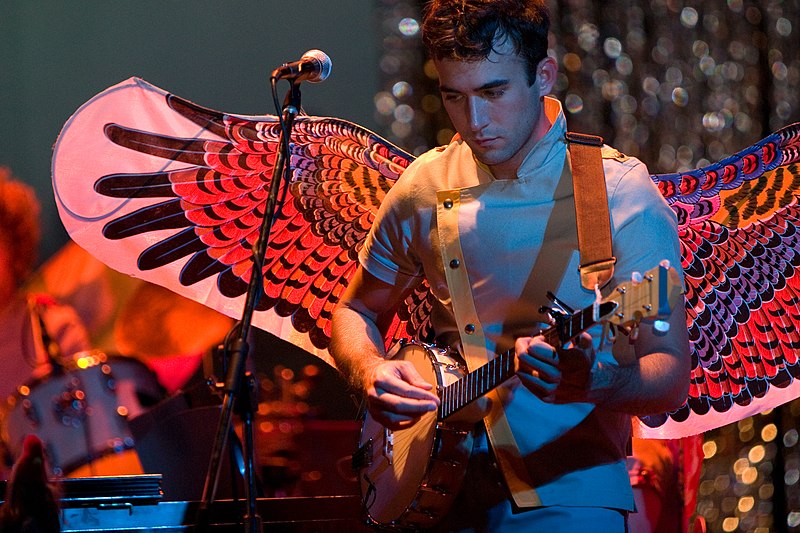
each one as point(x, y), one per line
point(468, 30)
point(19, 223)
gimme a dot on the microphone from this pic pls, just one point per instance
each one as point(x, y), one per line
point(314, 66)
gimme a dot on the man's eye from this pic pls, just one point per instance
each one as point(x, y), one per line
point(491, 95)
point(452, 97)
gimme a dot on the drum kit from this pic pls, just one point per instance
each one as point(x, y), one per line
point(81, 414)
point(84, 408)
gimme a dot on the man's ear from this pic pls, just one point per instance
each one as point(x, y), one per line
point(546, 73)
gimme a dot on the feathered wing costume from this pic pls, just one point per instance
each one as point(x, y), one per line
point(165, 190)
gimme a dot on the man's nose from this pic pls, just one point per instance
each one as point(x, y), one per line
point(478, 116)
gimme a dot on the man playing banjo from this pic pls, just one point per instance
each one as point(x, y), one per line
point(489, 222)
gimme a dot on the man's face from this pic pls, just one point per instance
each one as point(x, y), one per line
point(493, 108)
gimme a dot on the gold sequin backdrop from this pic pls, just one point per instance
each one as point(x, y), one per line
point(678, 84)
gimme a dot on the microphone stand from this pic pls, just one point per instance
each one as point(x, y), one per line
point(235, 390)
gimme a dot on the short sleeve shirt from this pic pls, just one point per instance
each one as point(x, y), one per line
point(519, 241)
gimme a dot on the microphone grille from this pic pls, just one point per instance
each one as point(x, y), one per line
point(325, 65)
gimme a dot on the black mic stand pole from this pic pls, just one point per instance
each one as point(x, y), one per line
point(233, 391)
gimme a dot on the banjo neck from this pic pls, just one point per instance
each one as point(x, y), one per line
point(475, 384)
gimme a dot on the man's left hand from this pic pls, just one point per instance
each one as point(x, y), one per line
point(556, 375)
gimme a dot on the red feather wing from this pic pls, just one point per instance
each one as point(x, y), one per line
point(193, 217)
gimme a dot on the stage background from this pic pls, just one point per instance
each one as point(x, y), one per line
point(56, 55)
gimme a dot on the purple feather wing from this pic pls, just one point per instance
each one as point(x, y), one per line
point(738, 225)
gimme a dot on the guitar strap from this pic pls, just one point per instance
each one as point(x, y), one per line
point(591, 209)
point(596, 269)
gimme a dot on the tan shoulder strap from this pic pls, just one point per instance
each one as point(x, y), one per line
point(591, 210)
point(473, 343)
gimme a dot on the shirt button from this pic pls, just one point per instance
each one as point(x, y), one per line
point(469, 329)
point(448, 204)
point(454, 263)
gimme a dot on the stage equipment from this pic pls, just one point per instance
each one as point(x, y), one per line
point(239, 386)
point(314, 66)
point(81, 414)
point(135, 503)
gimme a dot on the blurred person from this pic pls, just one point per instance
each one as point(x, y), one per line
point(665, 475)
point(37, 333)
point(31, 501)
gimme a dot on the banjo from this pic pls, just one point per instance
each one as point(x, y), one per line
point(410, 477)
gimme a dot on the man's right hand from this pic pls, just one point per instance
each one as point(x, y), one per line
point(397, 395)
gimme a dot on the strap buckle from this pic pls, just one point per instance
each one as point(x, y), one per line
point(597, 274)
point(583, 138)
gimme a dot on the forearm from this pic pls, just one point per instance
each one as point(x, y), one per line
point(356, 345)
point(656, 383)
point(656, 378)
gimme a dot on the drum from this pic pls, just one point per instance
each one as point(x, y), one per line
point(82, 415)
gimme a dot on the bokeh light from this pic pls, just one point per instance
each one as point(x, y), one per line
point(408, 26)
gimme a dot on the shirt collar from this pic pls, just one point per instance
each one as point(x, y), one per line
point(550, 149)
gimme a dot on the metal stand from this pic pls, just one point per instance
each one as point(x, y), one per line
point(239, 392)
